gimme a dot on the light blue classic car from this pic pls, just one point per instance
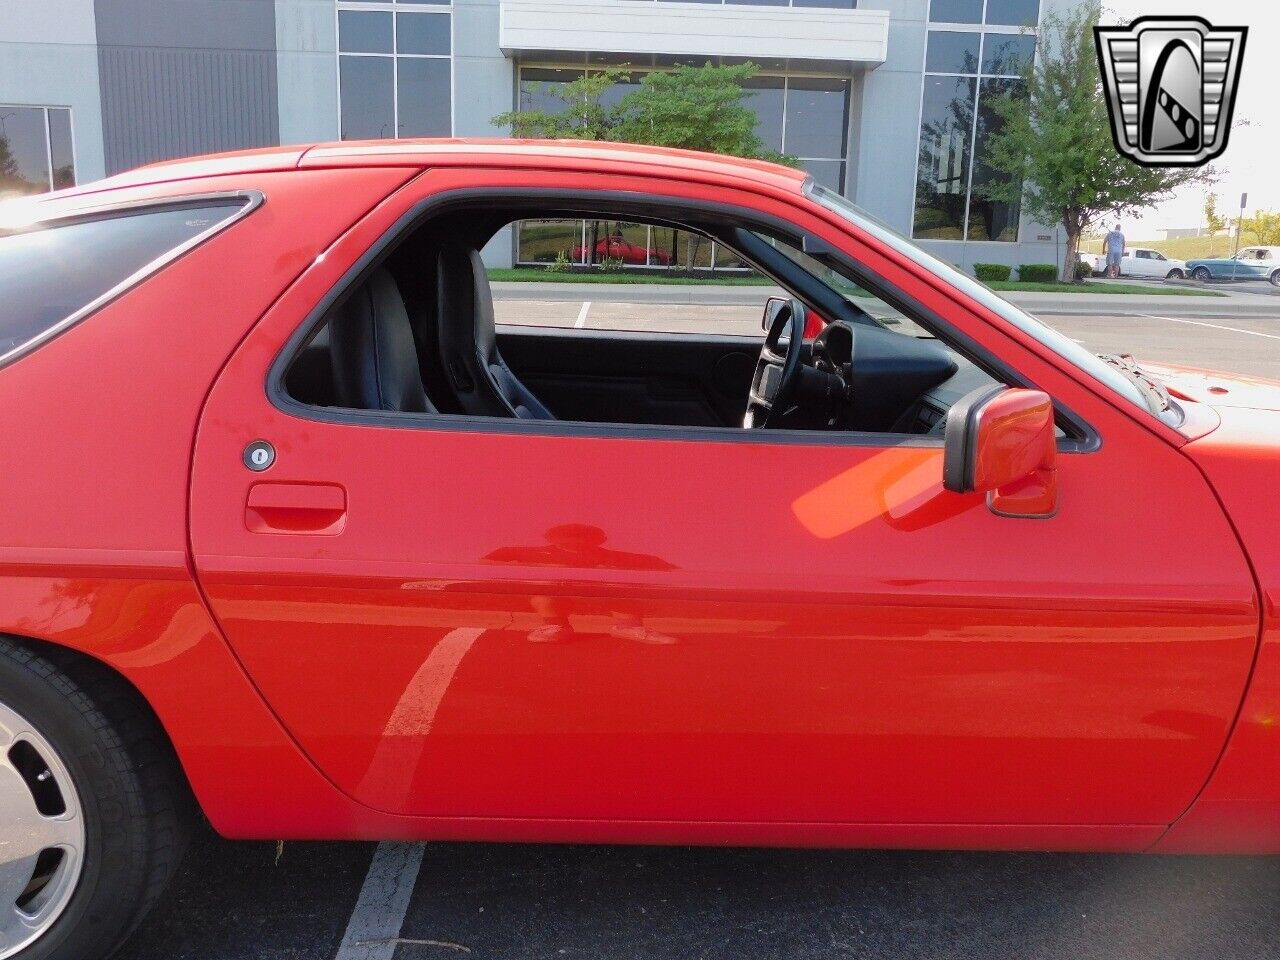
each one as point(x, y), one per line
point(1251, 263)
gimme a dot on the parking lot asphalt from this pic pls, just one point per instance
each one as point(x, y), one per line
point(254, 901)
point(235, 901)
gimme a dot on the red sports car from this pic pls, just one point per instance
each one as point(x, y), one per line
point(295, 535)
point(617, 247)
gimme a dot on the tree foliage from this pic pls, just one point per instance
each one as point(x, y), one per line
point(697, 108)
point(10, 179)
point(1054, 145)
point(1263, 228)
point(1214, 222)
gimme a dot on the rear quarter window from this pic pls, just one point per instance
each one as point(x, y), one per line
point(56, 273)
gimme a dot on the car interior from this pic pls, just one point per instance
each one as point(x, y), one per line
point(415, 333)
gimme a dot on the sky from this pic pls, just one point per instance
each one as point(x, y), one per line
point(1252, 161)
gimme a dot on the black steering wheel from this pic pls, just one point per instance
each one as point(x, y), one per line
point(774, 385)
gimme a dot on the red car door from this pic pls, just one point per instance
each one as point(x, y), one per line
point(536, 624)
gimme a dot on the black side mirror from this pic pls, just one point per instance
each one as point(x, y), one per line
point(771, 308)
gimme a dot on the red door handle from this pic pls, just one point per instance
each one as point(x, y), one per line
point(314, 508)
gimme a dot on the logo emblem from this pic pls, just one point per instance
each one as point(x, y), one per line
point(1171, 88)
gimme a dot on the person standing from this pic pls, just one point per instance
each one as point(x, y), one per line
point(1114, 247)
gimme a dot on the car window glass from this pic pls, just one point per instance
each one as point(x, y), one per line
point(1064, 346)
point(581, 274)
point(50, 274)
point(883, 313)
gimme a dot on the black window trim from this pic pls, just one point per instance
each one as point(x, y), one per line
point(249, 200)
point(1080, 436)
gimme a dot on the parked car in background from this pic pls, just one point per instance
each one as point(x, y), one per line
point(1251, 263)
point(618, 247)
point(1146, 263)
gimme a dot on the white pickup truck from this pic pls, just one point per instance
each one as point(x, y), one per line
point(1146, 263)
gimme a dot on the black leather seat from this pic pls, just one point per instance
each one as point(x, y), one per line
point(481, 380)
point(375, 360)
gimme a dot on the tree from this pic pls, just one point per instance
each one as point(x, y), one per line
point(1214, 222)
point(1054, 148)
point(582, 114)
point(697, 108)
point(11, 180)
point(1263, 228)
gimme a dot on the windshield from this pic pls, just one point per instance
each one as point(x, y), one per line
point(1115, 376)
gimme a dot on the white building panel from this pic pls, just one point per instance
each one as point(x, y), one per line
point(695, 29)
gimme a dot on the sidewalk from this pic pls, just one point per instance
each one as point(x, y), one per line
point(1231, 304)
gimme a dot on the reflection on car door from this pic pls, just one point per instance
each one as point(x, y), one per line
point(539, 624)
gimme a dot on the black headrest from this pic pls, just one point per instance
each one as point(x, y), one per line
point(375, 359)
point(482, 382)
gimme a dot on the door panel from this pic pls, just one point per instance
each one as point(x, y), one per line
point(565, 627)
point(521, 625)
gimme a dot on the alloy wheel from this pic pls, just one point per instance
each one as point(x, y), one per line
point(42, 834)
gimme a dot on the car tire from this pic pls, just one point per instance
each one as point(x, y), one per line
point(1176, 274)
point(83, 764)
point(1201, 274)
point(1275, 278)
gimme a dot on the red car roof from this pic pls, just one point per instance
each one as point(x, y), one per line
point(622, 157)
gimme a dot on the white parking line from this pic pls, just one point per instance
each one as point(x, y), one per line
point(582, 316)
point(374, 927)
point(1215, 326)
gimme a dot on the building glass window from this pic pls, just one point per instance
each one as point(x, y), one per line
point(800, 116)
point(950, 51)
point(989, 219)
point(365, 31)
point(368, 97)
point(816, 117)
point(1013, 13)
point(767, 96)
point(36, 152)
point(966, 72)
point(395, 70)
point(999, 13)
point(1006, 56)
point(956, 11)
point(426, 34)
point(942, 178)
